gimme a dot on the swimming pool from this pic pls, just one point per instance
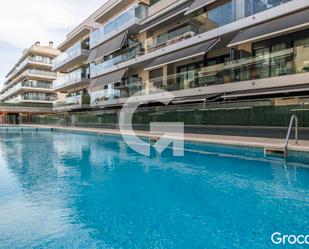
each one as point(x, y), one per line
point(65, 190)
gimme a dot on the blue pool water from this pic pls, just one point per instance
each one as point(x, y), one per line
point(62, 190)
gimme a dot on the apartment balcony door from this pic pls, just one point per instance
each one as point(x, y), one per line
point(188, 76)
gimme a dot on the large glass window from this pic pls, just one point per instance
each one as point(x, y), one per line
point(255, 6)
point(301, 55)
point(188, 76)
point(222, 14)
point(156, 77)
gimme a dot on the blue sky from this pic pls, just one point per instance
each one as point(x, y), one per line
point(23, 22)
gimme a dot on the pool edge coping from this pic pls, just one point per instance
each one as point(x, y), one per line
point(188, 137)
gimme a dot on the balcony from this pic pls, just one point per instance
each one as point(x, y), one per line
point(217, 15)
point(31, 73)
point(41, 74)
point(276, 64)
point(73, 56)
point(114, 93)
point(197, 30)
point(79, 77)
point(32, 97)
point(253, 69)
point(128, 20)
point(182, 33)
point(34, 60)
point(27, 85)
point(11, 91)
point(132, 52)
point(72, 102)
point(37, 85)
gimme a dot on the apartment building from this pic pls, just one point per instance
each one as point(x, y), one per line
point(201, 51)
point(30, 80)
point(74, 66)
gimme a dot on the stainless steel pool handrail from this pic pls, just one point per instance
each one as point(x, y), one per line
point(61, 123)
point(293, 118)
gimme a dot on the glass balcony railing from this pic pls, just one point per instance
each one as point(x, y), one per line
point(113, 93)
point(36, 59)
point(42, 73)
point(124, 55)
point(36, 84)
point(78, 100)
point(232, 10)
point(41, 59)
point(14, 100)
point(252, 7)
point(71, 53)
point(174, 36)
point(280, 63)
point(228, 12)
point(215, 17)
point(122, 22)
point(36, 97)
point(28, 84)
point(71, 78)
point(11, 91)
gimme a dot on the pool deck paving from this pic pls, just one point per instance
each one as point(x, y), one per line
point(266, 143)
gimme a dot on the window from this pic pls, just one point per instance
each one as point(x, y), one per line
point(152, 2)
point(156, 77)
point(188, 76)
point(223, 14)
point(255, 6)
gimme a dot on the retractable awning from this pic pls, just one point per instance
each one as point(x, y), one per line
point(160, 20)
point(276, 27)
point(198, 4)
point(187, 53)
point(110, 78)
point(108, 47)
point(266, 92)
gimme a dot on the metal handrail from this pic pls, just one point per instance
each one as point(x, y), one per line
point(61, 123)
point(293, 118)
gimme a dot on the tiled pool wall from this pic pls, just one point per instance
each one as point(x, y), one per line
point(237, 150)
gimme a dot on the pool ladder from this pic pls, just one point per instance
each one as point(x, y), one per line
point(62, 123)
point(284, 151)
point(294, 118)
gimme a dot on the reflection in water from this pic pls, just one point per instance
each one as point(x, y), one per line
point(74, 190)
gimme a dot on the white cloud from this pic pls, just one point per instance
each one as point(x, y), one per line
point(22, 22)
